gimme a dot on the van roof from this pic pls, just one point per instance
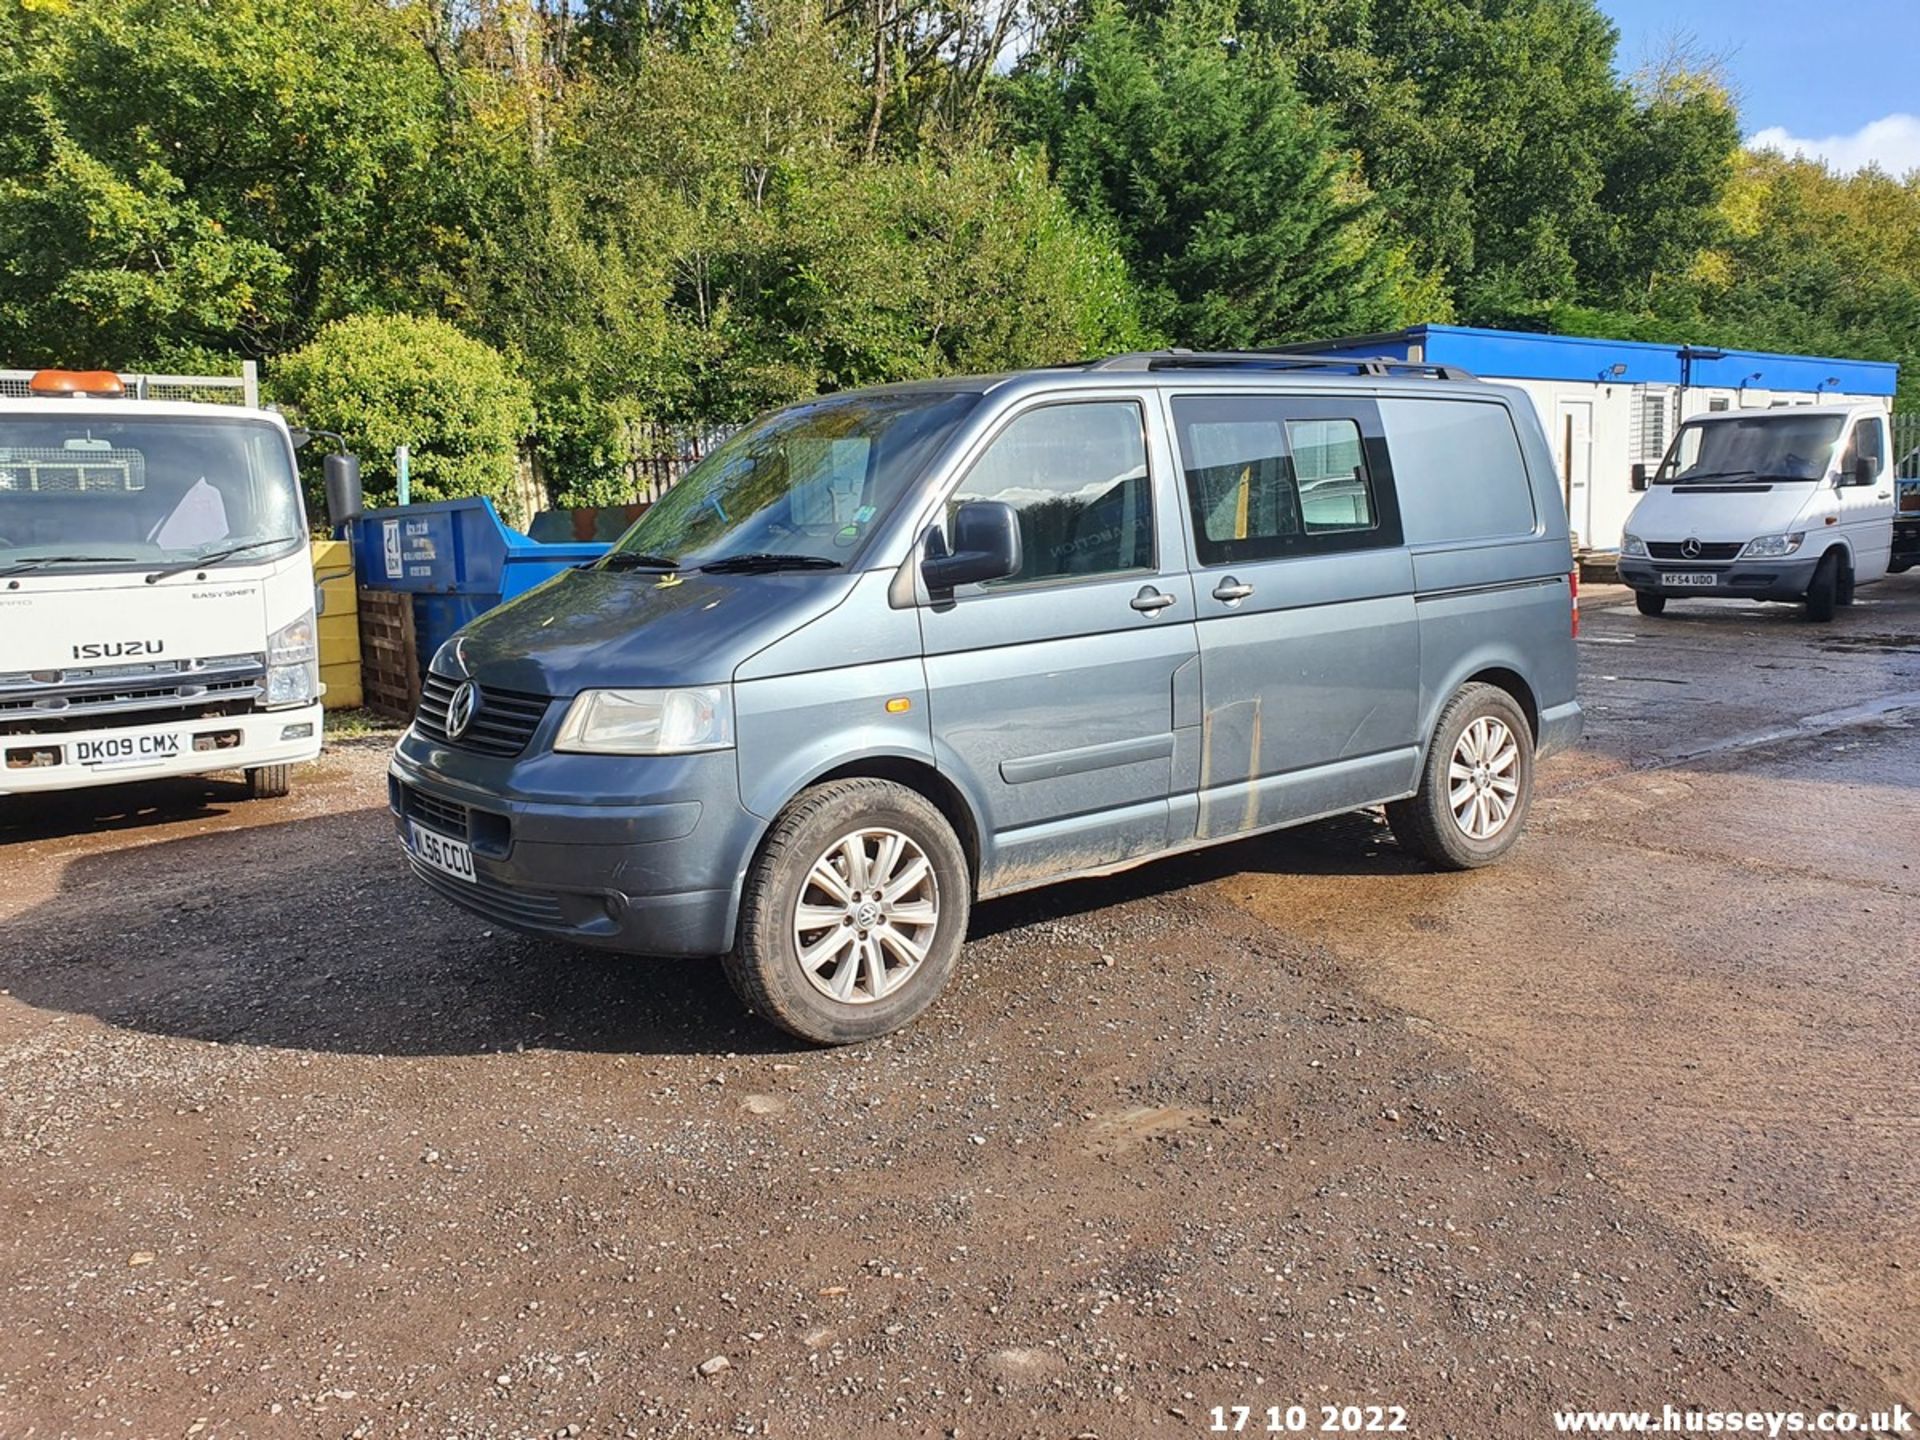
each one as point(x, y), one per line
point(113, 408)
point(1769, 411)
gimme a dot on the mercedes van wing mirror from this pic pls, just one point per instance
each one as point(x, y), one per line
point(983, 544)
point(1865, 470)
point(342, 473)
point(1640, 477)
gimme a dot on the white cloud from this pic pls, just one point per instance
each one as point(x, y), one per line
point(1892, 143)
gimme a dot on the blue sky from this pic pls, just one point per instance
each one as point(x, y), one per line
point(1837, 80)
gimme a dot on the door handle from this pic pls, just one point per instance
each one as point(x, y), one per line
point(1151, 601)
point(1231, 591)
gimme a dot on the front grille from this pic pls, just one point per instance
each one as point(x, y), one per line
point(502, 724)
point(436, 814)
point(519, 909)
point(1709, 550)
point(104, 696)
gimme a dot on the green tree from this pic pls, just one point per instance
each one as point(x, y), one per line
point(1236, 212)
point(383, 381)
point(209, 175)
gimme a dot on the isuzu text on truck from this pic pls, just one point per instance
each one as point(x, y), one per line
point(157, 604)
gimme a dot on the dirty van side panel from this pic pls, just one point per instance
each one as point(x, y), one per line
point(1308, 639)
point(1488, 534)
point(817, 699)
point(1053, 693)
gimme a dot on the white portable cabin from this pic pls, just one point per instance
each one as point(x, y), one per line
point(1608, 405)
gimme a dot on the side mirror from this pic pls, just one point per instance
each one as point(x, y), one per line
point(342, 474)
point(1640, 477)
point(300, 436)
point(984, 545)
point(1866, 470)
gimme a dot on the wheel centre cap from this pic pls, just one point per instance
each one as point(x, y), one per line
point(866, 915)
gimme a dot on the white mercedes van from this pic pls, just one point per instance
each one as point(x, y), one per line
point(1794, 503)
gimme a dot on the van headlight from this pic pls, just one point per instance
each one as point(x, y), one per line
point(648, 722)
point(1772, 547)
point(293, 677)
point(1633, 545)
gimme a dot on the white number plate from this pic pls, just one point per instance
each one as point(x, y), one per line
point(127, 749)
point(448, 856)
point(1694, 578)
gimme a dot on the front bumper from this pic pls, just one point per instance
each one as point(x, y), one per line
point(1783, 579)
point(35, 764)
point(644, 855)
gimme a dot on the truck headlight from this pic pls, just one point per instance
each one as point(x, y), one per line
point(1772, 547)
point(1633, 545)
point(648, 722)
point(292, 672)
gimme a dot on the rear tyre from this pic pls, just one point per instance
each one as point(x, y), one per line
point(853, 913)
point(269, 782)
point(1823, 595)
point(1648, 603)
point(1477, 786)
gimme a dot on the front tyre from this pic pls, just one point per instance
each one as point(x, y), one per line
point(853, 913)
point(1649, 603)
point(1477, 786)
point(269, 782)
point(1823, 595)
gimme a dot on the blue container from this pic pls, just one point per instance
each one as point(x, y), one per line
point(457, 560)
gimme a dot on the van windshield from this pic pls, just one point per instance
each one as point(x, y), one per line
point(801, 488)
point(80, 491)
point(1778, 445)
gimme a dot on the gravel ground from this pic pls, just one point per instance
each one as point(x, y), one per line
point(287, 1147)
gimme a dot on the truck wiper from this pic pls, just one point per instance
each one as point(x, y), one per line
point(214, 557)
point(20, 567)
point(759, 561)
point(630, 560)
point(1710, 475)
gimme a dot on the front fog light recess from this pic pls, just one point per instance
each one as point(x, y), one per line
point(292, 657)
point(648, 722)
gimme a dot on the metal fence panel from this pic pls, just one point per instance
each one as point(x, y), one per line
point(1906, 444)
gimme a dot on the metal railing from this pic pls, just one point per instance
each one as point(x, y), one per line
point(1906, 444)
point(241, 389)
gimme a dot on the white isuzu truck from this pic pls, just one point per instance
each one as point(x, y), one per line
point(157, 600)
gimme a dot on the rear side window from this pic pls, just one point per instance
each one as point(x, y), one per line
point(1076, 475)
point(1270, 476)
point(1458, 470)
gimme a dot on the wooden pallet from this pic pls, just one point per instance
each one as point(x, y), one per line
point(389, 653)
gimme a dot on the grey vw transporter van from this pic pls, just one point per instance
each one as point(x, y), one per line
point(891, 651)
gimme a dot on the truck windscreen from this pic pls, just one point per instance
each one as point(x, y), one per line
point(88, 491)
point(1775, 445)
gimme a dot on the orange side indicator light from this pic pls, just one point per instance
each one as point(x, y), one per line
point(899, 705)
point(76, 382)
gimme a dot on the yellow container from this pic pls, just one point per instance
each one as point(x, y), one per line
point(339, 625)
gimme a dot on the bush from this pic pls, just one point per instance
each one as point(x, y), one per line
point(388, 380)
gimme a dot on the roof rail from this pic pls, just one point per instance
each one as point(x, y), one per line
point(1373, 366)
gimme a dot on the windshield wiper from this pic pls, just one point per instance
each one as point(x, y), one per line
point(630, 560)
point(1691, 479)
point(214, 557)
point(41, 561)
point(758, 561)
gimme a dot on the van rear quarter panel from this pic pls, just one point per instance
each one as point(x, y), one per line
point(1485, 601)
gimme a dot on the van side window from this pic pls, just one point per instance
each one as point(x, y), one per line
point(1272, 475)
point(1868, 440)
point(1077, 476)
point(1459, 471)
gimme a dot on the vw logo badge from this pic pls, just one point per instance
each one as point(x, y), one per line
point(1690, 548)
point(461, 709)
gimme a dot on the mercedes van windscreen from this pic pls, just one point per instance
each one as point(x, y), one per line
point(1776, 445)
point(800, 489)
